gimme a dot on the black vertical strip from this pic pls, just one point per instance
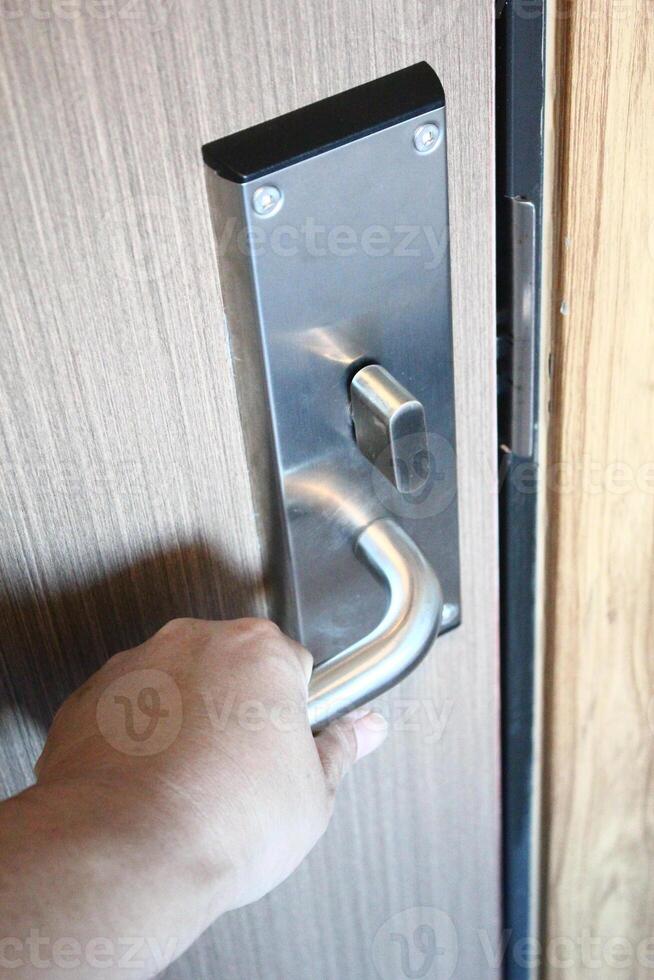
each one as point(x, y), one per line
point(520, 93)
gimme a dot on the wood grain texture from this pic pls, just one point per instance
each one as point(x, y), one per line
point(125, 492)
point(600, 619)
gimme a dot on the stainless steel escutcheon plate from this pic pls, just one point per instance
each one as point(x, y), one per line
point(332, 234)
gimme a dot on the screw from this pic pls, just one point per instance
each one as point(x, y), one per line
point(267, 200)
point(450, 614)
point(425, 138)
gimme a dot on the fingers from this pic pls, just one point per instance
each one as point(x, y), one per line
point(347, 740)
point(250, 641)
point(371, 730)
point(303, 657)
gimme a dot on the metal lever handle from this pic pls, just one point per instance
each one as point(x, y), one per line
point(411, 623)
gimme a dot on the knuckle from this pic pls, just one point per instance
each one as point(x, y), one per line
point(305, 659)
point(346, 735)
point(180, 624)
point(339, 753)
point(60, 715)
point(185, 629)
point(332, 769)
point(254, 626)
point(329, 799)
point(196, 637)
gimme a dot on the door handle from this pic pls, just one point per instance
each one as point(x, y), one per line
point(409, 626)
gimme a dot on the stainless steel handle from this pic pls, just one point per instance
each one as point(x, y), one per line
point(403, 638)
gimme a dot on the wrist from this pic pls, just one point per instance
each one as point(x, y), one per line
point(149, 827)
point(102, 857)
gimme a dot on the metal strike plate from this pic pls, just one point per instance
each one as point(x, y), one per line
point(331, 228)
point(523, 325)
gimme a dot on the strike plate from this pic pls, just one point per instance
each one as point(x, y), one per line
point(331, 227)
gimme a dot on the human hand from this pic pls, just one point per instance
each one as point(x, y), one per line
point(197, 749)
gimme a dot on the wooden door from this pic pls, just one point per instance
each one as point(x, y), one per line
point(599, 855)
point(125, 496)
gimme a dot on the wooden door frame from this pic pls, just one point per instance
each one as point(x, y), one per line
point(596, 546)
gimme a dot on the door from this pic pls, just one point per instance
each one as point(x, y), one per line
point(126, 495)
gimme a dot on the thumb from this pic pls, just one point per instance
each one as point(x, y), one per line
point(347, 740)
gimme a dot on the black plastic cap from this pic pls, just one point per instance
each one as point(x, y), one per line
point(305, 132)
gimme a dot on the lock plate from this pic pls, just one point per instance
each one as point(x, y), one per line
point(336, 257)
